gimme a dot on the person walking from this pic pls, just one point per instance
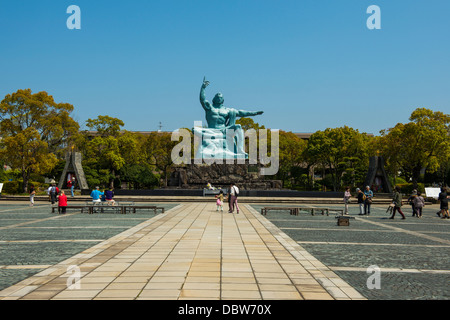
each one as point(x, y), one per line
point(32, 194)
point(397, 200)
point(229, 197)
point(219, 201)
point(234, 195)
point(368, 200)
point(62, 202)
point(411, 201)
point(53, 192)
point(360, 197)
point(419, 203)
point(443, 198)
point(347, 196)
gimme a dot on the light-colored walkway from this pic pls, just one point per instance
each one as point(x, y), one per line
point(191, 252)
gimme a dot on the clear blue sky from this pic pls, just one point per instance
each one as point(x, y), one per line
point(309, 64)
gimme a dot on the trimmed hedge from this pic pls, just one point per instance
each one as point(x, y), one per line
point(15, 187)
point(11, 187)
point(407, 188)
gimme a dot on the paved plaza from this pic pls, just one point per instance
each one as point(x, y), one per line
point(194, 252)
point(412, 254)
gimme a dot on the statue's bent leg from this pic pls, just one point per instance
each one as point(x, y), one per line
point(240, 140)
point(232, 133)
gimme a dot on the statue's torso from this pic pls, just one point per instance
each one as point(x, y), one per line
point(217, 117)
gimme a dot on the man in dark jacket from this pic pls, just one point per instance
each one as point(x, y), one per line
point(443, 198)
point(397, 200)
point(360, 196)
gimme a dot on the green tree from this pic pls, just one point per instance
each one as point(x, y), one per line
point(338, 150)
point(108, 148)
point(291, 152)
point(139, 176)
point(34, 130)
point(422, 143)
point(249, 123)
point(105, 126)
point(158, 151)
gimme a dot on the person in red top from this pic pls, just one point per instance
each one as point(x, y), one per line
point(62, 203)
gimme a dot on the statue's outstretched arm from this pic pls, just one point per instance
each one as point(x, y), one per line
point(205, 103)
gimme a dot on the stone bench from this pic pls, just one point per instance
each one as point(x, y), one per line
point(133, 208)
point(292, 210)
point(109, 206)
point(82, 207)
point(295, 210)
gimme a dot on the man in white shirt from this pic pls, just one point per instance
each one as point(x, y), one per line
point(234, 192)
point(53, 191)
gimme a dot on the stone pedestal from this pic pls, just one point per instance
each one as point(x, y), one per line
point(214, 145)
point(246, 177)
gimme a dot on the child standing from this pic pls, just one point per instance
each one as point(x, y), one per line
point(219, 201)
point(62, 203)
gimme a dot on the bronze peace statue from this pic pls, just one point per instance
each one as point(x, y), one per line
point(223, 139)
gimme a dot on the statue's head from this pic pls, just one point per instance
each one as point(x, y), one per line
point(218, 100)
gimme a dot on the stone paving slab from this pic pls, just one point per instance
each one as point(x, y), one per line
point(191, 252)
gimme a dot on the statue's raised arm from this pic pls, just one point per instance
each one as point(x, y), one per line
point(205, 103)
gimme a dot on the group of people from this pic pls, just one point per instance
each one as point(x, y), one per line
point(59, 196)
point(416, 201)
point(53, 191)
point(99, 196)
point(55, 195)
point(232, 198)
point(364, 200)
